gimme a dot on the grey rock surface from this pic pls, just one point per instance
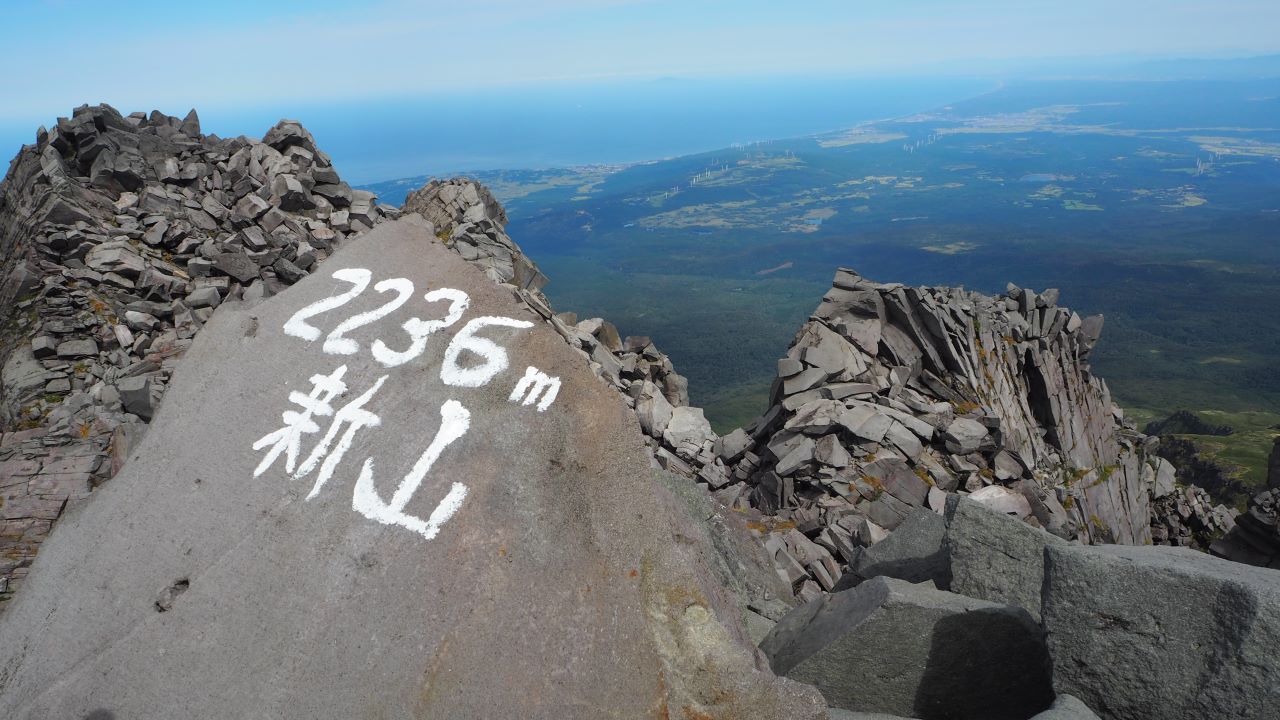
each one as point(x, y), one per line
point(996, 557)
point(1067, 707)
point(892, 647)
point(838, 714)
point(1141, 632)
point(208, 577)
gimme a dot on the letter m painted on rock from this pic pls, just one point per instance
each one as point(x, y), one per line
point(536, 383)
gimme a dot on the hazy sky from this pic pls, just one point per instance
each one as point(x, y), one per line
point(172, 55)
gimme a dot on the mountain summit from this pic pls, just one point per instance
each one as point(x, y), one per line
point(285, 452)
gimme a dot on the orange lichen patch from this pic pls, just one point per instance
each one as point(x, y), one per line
point(682, 597)
point(923, 475)
point(633, 573)
point(769, 525)
point(663, 712)
point(691, 714)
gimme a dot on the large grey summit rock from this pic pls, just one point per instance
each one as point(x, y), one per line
point(482, 547)
point(1160, 632)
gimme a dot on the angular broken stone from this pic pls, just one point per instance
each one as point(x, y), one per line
point(1002, 500)
point(43, 347)
point(203, 297)
point(236, 264)
point(136, 396)
point(688, 426)
point(252, 207)
point(117, 257)
point(798, 457)
point(964, 436)
point(653, 411)
point(76, 349)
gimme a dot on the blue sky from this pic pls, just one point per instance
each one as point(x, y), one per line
point(240, 53)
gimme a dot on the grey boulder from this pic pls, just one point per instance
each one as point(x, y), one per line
point(1143, 632)
point(117, 257)
point(892, 647)
point(994, 556)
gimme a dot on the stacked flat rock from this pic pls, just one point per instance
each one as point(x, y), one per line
point(470, 221)
point(120, 236)
point(892, 398)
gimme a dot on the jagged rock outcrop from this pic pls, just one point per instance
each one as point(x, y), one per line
point(892, 398)
point(467, 217)
point(120, 235)
point(444, 505)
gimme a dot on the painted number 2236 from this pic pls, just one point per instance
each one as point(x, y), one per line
point(417, 330)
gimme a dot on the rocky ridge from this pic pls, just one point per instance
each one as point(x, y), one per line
point(892, 398)
point(120, 235)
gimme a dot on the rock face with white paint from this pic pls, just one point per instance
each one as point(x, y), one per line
point(462, 524)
